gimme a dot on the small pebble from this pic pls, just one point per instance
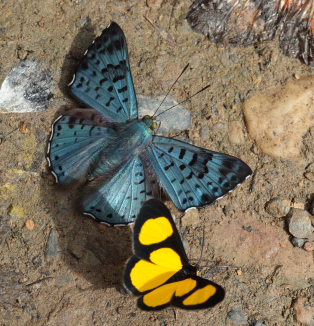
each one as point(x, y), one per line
point(297, 242)
point(300, 224)
point(238, 316)
point(248, 228)
point(304, 313)
point(309, 246)
point(24, 128)
point(29, 224)
point(205, 132)
point(37, 261)
point(52, 248)
point(259, 323)
point(278, 207)
point(191, 217)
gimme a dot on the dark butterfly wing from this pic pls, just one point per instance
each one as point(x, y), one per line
point(103, 79)
point(194, 176)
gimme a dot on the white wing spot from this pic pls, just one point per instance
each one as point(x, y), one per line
point(72, 81)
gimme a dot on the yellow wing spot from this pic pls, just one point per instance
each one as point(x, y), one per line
point(146, 276)
point(200, 296)
point(160, 296)
point(165, 293)
point(167, 258)
point(155, 230)
point(185, 287)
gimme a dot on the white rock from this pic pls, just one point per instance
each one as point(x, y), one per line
point(27, 88)
point(176, 119)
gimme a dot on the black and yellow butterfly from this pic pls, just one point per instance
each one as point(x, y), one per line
point(159, 272)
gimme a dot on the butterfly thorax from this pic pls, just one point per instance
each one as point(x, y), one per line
point(132, 139)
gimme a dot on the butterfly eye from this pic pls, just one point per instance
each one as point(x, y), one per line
point(155, 125)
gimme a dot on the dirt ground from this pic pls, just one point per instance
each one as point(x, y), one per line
point(58, 267)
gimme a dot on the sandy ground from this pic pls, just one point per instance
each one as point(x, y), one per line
point(58, 267)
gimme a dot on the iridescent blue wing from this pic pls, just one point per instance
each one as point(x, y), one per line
point(117, 199)
point(76, 140)
point(103, 79)
point(194, 176)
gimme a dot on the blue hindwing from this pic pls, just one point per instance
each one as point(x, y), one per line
point(76, 142)
point(194, 176)
point(103, 79)
point(117, 199)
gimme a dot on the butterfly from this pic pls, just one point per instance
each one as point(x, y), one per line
point(119, 155)
point(160, 272)
point(247, 22)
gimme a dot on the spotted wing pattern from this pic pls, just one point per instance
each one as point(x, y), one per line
point(103, 79)
point(159, 271)
point(77, 139)
point(116, 200)
point(194, 176)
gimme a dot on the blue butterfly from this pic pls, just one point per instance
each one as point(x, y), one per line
point(124, 162)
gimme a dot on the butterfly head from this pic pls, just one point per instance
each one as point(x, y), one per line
point(150, 122)
point(190, 270)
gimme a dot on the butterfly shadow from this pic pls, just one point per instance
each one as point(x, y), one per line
point(94, 251)
point(80, 43)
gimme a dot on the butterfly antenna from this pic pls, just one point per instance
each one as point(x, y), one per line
point(203, 243)
point(182, 72)
point(201, 90)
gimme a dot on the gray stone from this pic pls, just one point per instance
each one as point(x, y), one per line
point(27, 88)
point(300, 224)
point(297, 242)
point(53, 249)
point(176, 119)
point(259, 323)
point(238, 316)
point(205, 132)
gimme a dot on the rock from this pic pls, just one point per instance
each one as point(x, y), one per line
point(278, 207)
point(259, 323)
point(176, 119)
point(309, 246)
point(304, 314)
point(298, 242)
point(238, 316)
point(236, 132)
point(191, 217)
point(27, 88)
point(205, 132)
point(279, 118)
point(309, 173)
point(52, 248)
point(300, 224)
